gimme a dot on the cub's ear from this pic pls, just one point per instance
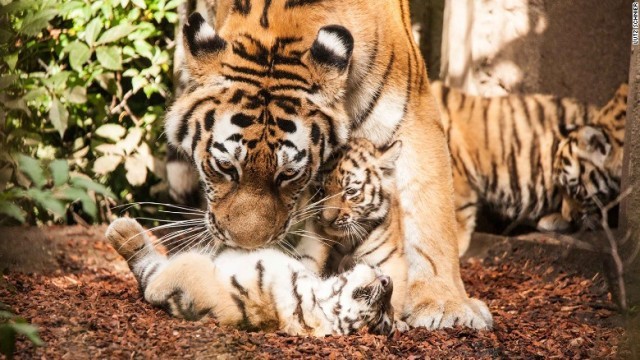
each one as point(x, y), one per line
point(201, 44)
point(594, 140)
point(333, 47)
point(389, 156)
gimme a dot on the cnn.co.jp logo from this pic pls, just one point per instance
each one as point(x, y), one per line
point(635, 24)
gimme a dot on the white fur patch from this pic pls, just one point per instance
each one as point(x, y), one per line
point(333, 42)
point(383, 120)
point(205, 33)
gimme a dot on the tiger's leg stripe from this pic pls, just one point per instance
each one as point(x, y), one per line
point(386, 258)
point(245, 323)
point(429, 260)
point(298, 3)
point(361, 118)
point(298, 312)
point(241, 289)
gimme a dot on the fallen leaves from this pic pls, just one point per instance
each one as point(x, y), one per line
point(88, 308)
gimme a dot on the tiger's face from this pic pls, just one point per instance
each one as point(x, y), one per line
point(581, 173)
point(365, 301)
point(358, 188)
point(261, 115)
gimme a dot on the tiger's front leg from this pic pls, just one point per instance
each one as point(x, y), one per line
point(436, 297)
point(181, 285)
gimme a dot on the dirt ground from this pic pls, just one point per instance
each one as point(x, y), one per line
point(75, 288)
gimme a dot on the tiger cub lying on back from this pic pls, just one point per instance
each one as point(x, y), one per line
point(361, 216)
point(507, 153)
point(259, 290)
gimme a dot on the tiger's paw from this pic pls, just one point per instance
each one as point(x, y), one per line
point(184, 286)
point(553, 223)
point(400, 326)
point(445, 313)
point(127, 237)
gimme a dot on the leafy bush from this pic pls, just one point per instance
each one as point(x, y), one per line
point(10, 327)
point(83, 87)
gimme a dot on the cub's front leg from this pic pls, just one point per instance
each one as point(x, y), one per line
point(181, 285)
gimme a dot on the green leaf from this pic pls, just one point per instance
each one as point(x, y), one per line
point(139, 3)
point(106, 164)
point(88, 203)
point(7, 80)
point(31, 167)
point(92, 31)
point(136, 170)
point(76, 95)
point(59, 172)
point(59, 116)
point(110, 57)
point(113, 132)
point(143, 48)
point(28, 330)
point(35, 22)
point(93, 186)
point(115, 33)
point(47, 201)
point(12, 60)
point(79, 53)
point(12, 210)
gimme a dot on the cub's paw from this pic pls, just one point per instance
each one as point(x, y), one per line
point(183, 286)
point(127, 237)
point(400, 326)
point(445, 313)
point(553, 223)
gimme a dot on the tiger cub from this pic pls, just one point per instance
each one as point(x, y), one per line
point(259, 290)
point(503, 151)
point(361, 215)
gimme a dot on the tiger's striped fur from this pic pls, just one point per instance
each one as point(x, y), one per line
point(278, 86)
point(361, 215)
point(504, 152)
point(260, 290)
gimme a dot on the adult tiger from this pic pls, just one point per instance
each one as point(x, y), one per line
point(278, 87)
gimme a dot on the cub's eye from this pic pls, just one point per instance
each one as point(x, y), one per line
point(225, 165)
point(361, 293)
point(351, 191)
point(289, 172)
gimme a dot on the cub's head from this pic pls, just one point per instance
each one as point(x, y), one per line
point(580, 170)
point(261, 114)
point(363, 301)
point(358, 188)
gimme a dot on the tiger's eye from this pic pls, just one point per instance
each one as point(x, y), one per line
point(351, 191)
point(289, 172)
point(226, 165)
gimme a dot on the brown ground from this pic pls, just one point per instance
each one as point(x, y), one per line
point(86, 304)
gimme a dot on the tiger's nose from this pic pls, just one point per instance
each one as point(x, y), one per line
point(341, 220)
point(386, 282)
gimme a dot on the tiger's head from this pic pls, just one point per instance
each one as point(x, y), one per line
point(358, 189)
point(358, 298)
point(581, 171)
point(261, 114)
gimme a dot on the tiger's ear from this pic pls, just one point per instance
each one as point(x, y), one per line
point(333, 47)
point(330, 57)
point(202, 45)
point(389, 156)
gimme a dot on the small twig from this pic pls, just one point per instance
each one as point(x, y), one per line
point(123, 103)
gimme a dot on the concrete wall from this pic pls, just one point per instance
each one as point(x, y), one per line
point(564, 47)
